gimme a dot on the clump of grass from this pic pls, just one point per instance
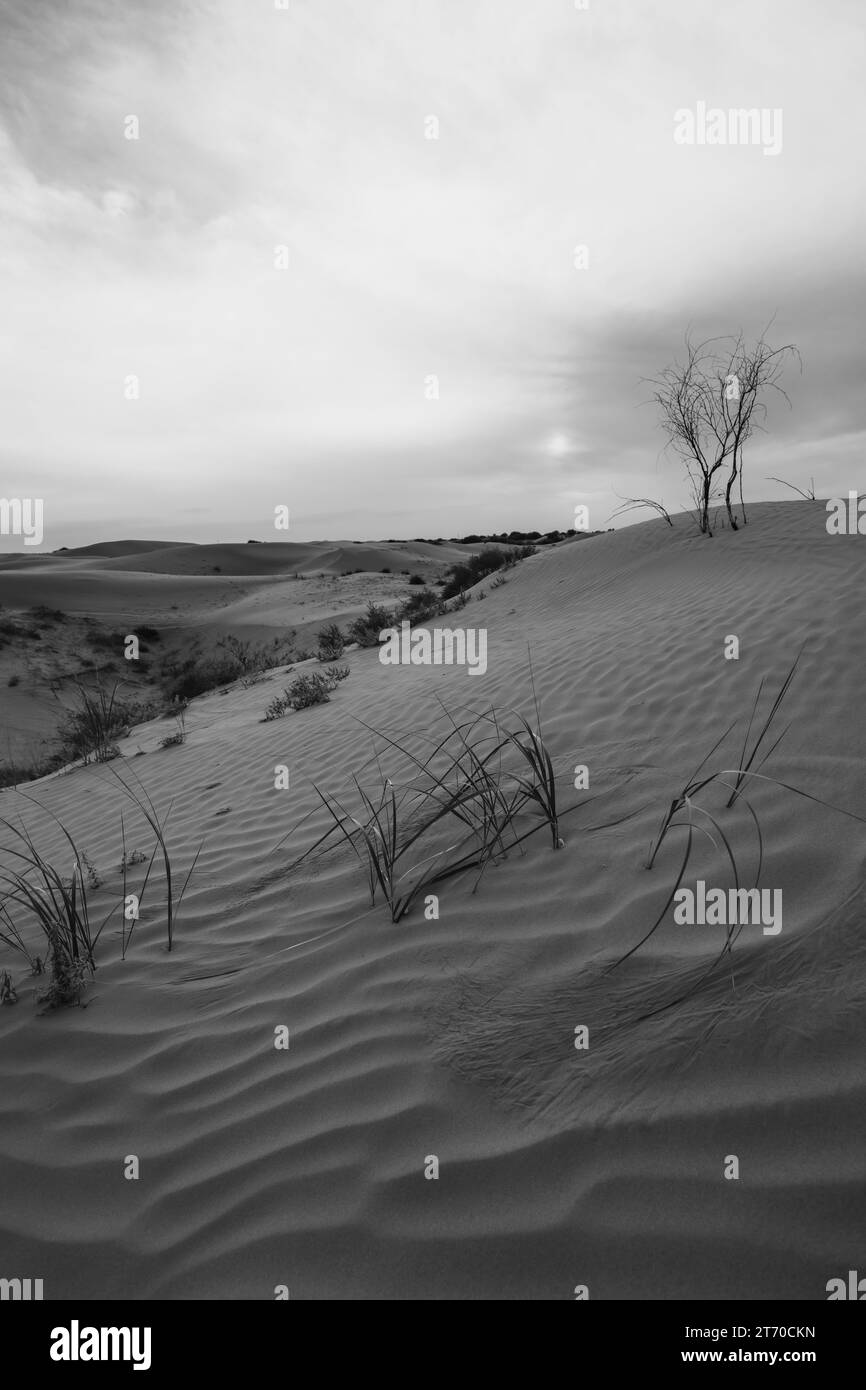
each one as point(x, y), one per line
point(381, 838)
point(68, 978)
point(463, 790)
point(89, 727)
point(307, 689)
point(131, 858)
point(58, 907)
point(331, 642)
point(93, 879)
point(685, 813)
point(538, 786)
point(179, 736)
point(172, 740)
point(37, 894)
point(420, 607)
point(276, 708)
point(365, 630)
point(158, 825)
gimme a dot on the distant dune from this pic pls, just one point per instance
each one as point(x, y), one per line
point(454, 1037)
point(192, 593)
point(115, 548)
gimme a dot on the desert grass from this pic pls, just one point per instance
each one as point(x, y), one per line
point(760, 741)
point(158, 824)
point(331, 642)
point(91, 724)
point(307, 689)
point(38, 895)
point(472, 790)
point(59, 906)
point(179, 736)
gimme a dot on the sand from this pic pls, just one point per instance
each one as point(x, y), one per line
point(454, 1037)
point(193, 594)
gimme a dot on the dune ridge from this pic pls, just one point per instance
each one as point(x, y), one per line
point(455, 1036)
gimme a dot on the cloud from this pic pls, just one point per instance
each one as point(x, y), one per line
point(406, 258)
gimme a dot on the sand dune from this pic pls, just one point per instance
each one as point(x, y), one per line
point(192, 593)
point(455, 1037)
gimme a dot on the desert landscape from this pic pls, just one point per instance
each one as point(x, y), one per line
point(455, 1037)
point(432, 769)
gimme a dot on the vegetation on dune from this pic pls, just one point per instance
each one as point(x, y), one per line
point(482, 791)
point(463, 575)
point(89, 727)
point(47, 914)
point(365, 629)
point(331, 642)
point(709, 403)
point(307, 689)
point(195, 672)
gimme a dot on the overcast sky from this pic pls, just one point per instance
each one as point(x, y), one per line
point(409, 257)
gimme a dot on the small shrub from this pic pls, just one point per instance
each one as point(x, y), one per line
point(179, 736)
point(68, 977)
point(14, 680)
point(307, 689)
point(420, 606)
point(465, 574)
point(416, 579)
point(365, 630)
point(277, 708)
point(197, 675)
point(331, 642)
point(131, 858)
point(93, 879)
point(87, 728)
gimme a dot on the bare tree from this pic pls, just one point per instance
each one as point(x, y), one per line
point(752, 372)
point(709, 405)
